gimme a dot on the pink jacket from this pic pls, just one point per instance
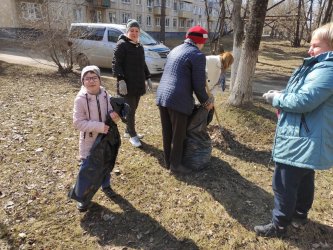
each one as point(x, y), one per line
point(89, 114)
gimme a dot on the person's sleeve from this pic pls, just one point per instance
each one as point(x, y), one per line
point(81, 121)
point(199, 77)
point(118, 60)
point(317, 88)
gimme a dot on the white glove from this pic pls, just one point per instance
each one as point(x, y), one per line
point(274, 91)
point(270, 95)
point(149, 85)
point(122, 87)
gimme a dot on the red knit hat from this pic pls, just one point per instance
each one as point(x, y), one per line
point(197, 34)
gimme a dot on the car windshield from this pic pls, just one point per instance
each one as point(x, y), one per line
point(146, 39)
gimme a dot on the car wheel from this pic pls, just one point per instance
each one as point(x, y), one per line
point(83, 61)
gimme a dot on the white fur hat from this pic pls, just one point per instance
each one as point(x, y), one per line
point(90, 68)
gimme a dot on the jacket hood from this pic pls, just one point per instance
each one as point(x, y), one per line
point(123, 37)
point(126, 39)
point(326, 56)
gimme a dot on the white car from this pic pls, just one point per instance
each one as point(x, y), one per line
point(94, 43)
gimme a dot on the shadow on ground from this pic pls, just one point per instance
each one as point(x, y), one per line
point(230, 146)
point(245, 201)
point(130, 228)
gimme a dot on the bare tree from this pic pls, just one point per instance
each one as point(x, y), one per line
point(238, 24)
point(241, 92)
point(328, 13)
point(49, 35)
point(219, 30)
point(297, 40)
point(162, 33)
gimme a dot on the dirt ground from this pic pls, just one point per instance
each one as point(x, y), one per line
point(213, 209)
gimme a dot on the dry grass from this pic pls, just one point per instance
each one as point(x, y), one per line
point(213, 209)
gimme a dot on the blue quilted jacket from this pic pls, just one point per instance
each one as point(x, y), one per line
point(184, 74)
point(304, 133)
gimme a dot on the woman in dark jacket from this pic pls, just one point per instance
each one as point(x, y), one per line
point(184, 74)
point(131, 70)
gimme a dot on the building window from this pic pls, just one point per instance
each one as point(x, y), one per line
point(126, 1)
point(138, 2)
point(158, 21)
point(174, 22)
point(175, 5)
point(148, 20)
point(167, 3)
point(181, 23)
point(189, 23)
point(125, 17)
point(157, 3)
point(150, 3)
point(185, 6)
point(139, 18)
point(195, 10)
point(31, 11)
point(167, 22)
point(112, 17)
point(77, 14)
point(99, 16)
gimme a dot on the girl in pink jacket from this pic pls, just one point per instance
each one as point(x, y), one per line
point(91, 106)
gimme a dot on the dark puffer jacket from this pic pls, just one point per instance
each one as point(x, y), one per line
point(129, 64)
point(184, 73)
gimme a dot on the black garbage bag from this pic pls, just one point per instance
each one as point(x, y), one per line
point(120, 107)
point(198, 145)
point(102, 158)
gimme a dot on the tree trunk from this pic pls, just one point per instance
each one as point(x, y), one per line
point(297, 39)
point(162, 33)
point(238, 25)
point(211, 45)
point(328, 13)
point(321, 6)
point(241, 92)
point(219, 48)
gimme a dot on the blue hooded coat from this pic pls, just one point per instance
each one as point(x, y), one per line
point(304, 133)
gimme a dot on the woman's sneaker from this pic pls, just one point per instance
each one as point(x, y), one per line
point(127, 135)
point(83, 206)
point(299, 219)
point(270, 230)
point(135, 141)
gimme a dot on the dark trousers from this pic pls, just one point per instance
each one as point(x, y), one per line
point(174, 125)
point(293, 191)
point(133, 102)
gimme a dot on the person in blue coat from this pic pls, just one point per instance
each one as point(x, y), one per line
point(184, 74)
point(304, 134)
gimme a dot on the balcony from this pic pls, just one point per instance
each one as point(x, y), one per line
point(184, 14)
point(99, 3)
point(158, 10)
